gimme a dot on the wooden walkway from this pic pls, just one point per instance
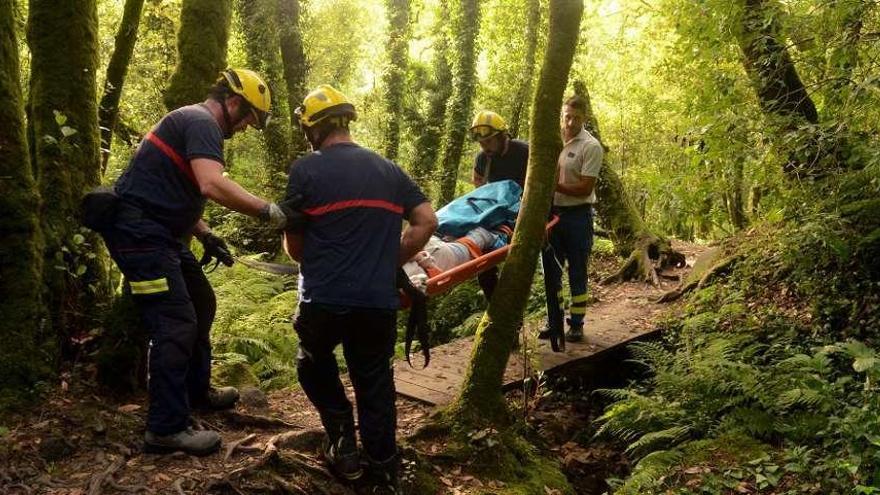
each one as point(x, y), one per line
point(609, 326)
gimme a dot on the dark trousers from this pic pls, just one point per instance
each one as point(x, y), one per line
point(571, 241)
point(177, 305)
point(367, 337)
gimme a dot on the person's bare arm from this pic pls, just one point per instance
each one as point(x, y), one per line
point(223, 190)
point(581, 188)
point(293, 245)
point(422, 223)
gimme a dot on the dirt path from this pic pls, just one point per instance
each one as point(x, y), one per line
point(81, 442)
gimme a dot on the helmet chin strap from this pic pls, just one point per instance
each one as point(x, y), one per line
point(317, 136)
point(229, 124)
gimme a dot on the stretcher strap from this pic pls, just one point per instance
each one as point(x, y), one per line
point(417, 323)
point(181, 164)
point(471, 246)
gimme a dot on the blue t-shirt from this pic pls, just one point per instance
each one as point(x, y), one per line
point(356, 201)
point(156, 185)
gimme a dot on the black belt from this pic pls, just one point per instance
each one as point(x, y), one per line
point(582, 206)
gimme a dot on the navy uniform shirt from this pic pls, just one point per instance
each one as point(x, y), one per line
point(158, 186)
point(356, 201)
point(511, 165)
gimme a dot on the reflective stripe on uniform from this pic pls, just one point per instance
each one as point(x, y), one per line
point(578, 310)
point(580, 298)
point(149, 286)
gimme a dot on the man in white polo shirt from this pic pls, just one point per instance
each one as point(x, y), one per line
point(572, 238)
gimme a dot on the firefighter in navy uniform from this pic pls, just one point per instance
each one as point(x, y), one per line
point(349, 254)
point(161, 196)
point(500, 158)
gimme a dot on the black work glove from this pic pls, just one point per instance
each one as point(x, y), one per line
point(296, 218)
point(215, 248)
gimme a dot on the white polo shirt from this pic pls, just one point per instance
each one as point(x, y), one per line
point(581, 157)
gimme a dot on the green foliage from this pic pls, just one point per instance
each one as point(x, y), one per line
point(766, 355)
point(253, 326)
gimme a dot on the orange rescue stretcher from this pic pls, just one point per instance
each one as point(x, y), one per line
point(445, 281)
point(417, 321)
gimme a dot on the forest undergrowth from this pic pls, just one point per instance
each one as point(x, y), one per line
point(766, 380)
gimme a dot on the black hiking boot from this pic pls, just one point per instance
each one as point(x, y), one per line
point(575, 332)
point(340, 445)
point(217, 399)
point(382, 478)
point(343, 458)
point(198, 443)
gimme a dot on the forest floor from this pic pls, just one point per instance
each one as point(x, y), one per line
point(82, 441)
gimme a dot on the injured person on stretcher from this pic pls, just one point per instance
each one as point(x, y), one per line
point(441, 254)
point(470, 226)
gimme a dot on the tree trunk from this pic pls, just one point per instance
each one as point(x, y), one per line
point(261, 43)
point(23, 358)
point(397, 47)
point(201, 50)
point(62, 35)
point(108, 109)
point(296, 68)
point(736, 210)
point(619, 214)
point(465, 29)
point(768, 63)
point(439, 91)
point(779, 88)
point(480, 401)
point(523, 95)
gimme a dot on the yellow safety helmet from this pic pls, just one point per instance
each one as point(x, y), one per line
point(487, 124)
point(250, 86)
point(322, 103)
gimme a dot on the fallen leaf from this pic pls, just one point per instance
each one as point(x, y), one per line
point(128, 408)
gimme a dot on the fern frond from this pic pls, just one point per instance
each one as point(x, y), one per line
point(664, 438)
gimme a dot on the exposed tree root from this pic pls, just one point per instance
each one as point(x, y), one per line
point(651, 255)
point(97, 482)
point(271, 458)
point(237, 443)
point(256, 421)
point(701, 278)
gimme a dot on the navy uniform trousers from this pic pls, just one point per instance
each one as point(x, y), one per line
point(367, 337)
point(571, 241)
point(177, 305)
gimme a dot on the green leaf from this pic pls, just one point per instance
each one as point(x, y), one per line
point(60, 118)
point(68, 131)
point(80, 270)
point(78, 239)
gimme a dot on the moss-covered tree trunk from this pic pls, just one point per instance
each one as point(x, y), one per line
point(619, 215)
point(201, 50)
point(62, 35)
point(523, 94)
point(259, 26)
point(397, 48)
point(296, 68)
point(427, 145)
point(779, 88)
point(23, 361)
point(480, 401)
point(465, 29)
point(108, 109)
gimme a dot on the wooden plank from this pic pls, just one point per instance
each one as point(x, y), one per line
point(440, 382)
point(420, 393)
